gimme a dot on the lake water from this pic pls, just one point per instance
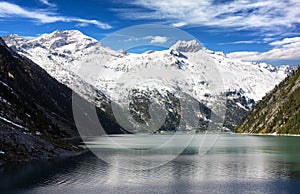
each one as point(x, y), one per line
point(234, 164)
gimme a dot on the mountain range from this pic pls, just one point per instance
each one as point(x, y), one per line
point(84, 65)
point(39, 79)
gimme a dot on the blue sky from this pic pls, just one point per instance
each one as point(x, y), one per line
point(252, 30)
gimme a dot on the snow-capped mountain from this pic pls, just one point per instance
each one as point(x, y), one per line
point(59, 52)
point(74, 59)
point(62, 52)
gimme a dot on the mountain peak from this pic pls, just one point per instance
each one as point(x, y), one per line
point(66, 33)
point(13, 36)
point(186, 46)
point(62, 38)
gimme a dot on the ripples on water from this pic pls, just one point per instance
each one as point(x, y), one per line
point(240, 164)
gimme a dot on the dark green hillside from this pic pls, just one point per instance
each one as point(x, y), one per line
point(278, 111)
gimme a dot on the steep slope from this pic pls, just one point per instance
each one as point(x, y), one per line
point(36, 111)
point(279, 111)
point(26, 132)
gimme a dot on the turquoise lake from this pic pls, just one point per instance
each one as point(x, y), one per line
point(231, 164)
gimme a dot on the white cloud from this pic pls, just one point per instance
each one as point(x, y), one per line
point(8, 10)
point(286, 49)
point(46, 2)
point(82, 25)
point(285, 41)
point(157, 39)
point(146, 39)
point(266, 40)
point(242, 14)
point(179, 24)
point(240, 42)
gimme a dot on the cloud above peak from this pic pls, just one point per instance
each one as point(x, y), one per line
point(241, 14)
point(286, 41)
point(157, 39)
point(9, 10)
point(285, 49)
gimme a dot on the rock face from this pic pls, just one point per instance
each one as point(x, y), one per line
point(184, 46)
point(279, 111)
point(36, 111)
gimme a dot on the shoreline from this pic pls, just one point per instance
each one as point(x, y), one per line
point(57, 157)
point(268, 134)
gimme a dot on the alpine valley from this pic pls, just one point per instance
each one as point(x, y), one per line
point(77, 60)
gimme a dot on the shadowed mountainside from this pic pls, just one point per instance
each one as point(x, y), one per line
point(36, 114)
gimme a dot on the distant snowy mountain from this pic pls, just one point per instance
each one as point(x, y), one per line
point(74, 59)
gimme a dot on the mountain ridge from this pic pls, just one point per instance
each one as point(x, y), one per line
point(70, 56)
point(79, 63)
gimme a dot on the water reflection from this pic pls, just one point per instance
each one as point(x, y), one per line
point(235, 164)
point(139, 152)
